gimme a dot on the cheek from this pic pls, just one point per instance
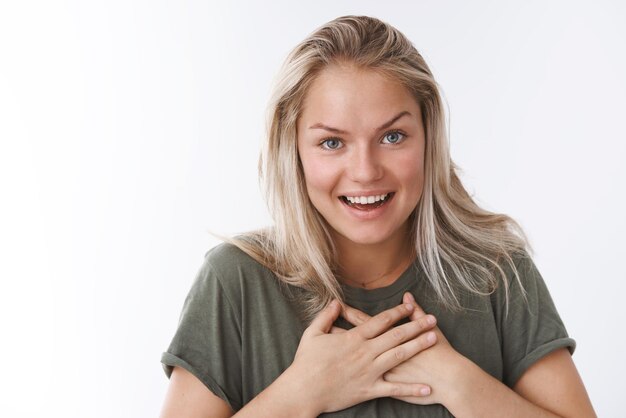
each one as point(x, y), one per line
point(319, 176)
point(410, 167)
point(411, 171)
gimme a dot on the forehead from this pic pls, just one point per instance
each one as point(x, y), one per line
point(345, 93)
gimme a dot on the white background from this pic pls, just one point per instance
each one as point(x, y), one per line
point(129, 128)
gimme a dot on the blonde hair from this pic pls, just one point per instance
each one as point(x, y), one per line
point(460, 246)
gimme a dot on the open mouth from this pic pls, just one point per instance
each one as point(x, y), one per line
point(367, 204)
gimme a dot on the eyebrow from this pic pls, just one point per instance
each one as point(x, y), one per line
point(342, 132)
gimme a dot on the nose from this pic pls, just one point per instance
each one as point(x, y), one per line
point(365, 165)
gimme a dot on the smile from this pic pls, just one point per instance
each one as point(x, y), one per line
point(367, 203)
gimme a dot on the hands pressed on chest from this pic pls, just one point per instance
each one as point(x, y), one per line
point(435, 366)
point(340, 368)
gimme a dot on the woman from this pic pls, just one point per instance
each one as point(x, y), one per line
point(326, 312)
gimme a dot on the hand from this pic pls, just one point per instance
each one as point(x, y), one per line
point(433, 367)
point(340, 368)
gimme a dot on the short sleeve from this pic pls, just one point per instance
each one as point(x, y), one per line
point(207, 342)
point(532, 327)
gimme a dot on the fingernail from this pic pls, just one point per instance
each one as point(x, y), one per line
point(425, 391)
point(431, 337)
point(430, 319)
point(411, 298)
point(408, 306)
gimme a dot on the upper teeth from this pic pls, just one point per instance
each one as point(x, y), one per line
point(367, 199)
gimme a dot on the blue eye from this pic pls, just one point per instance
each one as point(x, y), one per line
point(393, 137)
point(331, 143)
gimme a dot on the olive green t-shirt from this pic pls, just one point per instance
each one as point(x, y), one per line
point(240, 328)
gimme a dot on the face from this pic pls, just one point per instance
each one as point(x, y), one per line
point(361, 144)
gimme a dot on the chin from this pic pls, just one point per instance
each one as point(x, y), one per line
point(366, 238)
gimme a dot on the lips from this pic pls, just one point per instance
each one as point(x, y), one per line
point(366, 207)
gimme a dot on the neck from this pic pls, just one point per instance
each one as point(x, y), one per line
point(373, 266)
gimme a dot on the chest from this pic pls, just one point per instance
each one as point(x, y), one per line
point(271, 336)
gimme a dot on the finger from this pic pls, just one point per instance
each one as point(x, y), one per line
point(323, 322)
point(418, 312)
point(395, 390)
point(425, 399)
point(337, 330)
point(391, 358)
point(402, 333)
point(354, 316)
point(378, 324)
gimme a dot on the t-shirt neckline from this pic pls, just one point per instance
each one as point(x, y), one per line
point(406, 279)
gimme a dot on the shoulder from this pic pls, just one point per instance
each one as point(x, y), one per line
point(519, 272)
point(522, 287)
point(233, 269)
point(527, 279)
point(524, 299)
point(530, 326)
point(227, 256)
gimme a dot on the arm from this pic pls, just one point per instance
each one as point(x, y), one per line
point(549, 388)
point(188, 397)
point(563, 389)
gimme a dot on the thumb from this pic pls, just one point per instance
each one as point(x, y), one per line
point(323, 322)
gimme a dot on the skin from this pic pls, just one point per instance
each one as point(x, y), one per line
point(334, 368)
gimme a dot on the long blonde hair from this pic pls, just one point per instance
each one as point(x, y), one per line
point(460, 246)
